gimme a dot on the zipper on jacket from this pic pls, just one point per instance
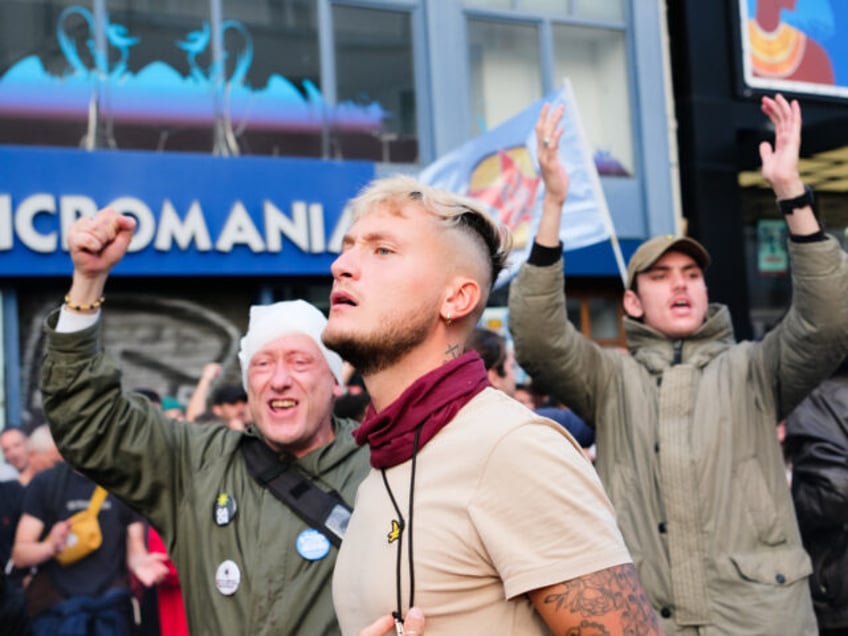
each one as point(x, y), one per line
point(678, 352)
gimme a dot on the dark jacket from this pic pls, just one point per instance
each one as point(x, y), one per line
point(817, 443)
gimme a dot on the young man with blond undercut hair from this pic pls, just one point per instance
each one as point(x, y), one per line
point(476, 510)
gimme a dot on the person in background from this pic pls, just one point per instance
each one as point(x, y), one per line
point(173, 408)
point(685, 421)
point(499, 361)
point(524, 394)
point(13, 611)
point(197, 407)
point(43, 453)
point(352, 405)
point(512, 531)
point(228, 407)
point(15, 445)
point(816, 443)
point(497, 357)
point(93, 591)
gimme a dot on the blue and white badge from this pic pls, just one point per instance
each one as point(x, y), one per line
point(312, 545)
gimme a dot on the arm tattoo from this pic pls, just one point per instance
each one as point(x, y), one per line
point(616, 590)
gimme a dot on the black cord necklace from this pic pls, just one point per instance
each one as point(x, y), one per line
point(397, 614)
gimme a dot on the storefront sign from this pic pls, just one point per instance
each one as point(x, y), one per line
point(197, 214)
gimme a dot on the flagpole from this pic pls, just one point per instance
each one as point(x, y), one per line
point(603, 208)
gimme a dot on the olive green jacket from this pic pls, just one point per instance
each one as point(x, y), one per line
point(172, 472)
point(687, 448)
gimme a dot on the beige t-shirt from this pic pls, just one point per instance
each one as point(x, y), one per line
point(504, 503)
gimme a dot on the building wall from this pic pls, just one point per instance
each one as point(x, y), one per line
point(377, 86)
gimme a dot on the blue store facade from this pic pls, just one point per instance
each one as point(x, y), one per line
point(235, 131)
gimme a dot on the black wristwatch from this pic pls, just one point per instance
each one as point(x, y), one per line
point(788, 206)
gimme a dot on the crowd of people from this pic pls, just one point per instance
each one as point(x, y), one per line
point(379, 470)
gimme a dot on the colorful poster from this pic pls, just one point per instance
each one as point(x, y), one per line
point(796, 46)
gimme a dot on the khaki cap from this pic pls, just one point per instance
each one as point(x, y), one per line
point(651, 250)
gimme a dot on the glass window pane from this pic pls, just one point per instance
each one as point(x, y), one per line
point(44, 97)
point(572, 309)
point(505, 71)
point(375, 73)
point(273, 72)
point(554, 7)
point(157, 95)
point(596, 62)
point(599, 9)
point(603, 313)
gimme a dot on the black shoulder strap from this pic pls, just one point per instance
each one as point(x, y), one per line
point(325, 511)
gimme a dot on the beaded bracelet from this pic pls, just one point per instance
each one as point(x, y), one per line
point(95, 305)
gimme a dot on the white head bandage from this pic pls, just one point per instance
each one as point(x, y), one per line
point(269, 322)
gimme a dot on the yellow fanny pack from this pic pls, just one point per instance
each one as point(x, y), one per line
point(85, 536)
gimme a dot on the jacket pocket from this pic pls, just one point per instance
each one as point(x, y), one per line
point(779, 567)
point(760, 506)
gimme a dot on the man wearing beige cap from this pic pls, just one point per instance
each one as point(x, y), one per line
point(685, 423)
point(252, 519)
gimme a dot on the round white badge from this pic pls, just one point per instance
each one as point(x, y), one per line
point(227, 578)
point(312, 545)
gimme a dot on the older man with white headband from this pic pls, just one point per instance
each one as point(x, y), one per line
point(252, 519)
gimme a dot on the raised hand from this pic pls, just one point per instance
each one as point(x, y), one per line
point(548, 133)
point(780, 163)
point(97, 244)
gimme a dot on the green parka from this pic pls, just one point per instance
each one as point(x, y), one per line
point(172, 472)
point(687, 446)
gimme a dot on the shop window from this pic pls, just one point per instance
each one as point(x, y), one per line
point(158, 93)
point(505, 71)
point(223, 76)
point(598, 317)
point(277, 107)
point(595, 60)
point(375, 76)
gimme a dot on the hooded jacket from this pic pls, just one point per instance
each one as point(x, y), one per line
point(250, 575)
point(686, 442)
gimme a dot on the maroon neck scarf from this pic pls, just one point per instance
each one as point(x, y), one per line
point(428, 403)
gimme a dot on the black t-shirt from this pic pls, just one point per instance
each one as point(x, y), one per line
point(104, 568)
point(11, 500)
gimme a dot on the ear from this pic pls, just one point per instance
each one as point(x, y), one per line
point(462, 298)
point(632, 304)
point(494, 378)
